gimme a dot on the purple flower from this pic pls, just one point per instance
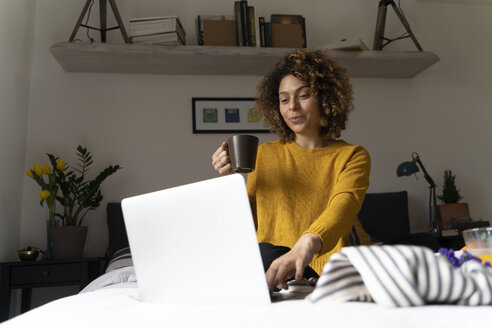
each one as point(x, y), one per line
point(449, 255)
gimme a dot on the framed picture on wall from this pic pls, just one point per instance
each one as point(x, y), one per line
point(226, 115)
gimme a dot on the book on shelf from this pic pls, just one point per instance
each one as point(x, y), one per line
point(261, 29)
point(268, 34)
point(239, 24)
point(265, 32)
point(252, 25)
point(154, 18)
point(246, 28)
point(288, 31)
point(199, 25)
point(157, 25)
point(287, 19)
point(216, 30)
point(160, 38)
point(346, 44)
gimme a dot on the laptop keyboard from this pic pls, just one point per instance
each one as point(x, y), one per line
point(297, 290)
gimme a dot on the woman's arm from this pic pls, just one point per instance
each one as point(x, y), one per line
point(345, 202)
point(335, 221)
point(293, 263)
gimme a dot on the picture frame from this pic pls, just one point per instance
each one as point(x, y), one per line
point(226, 115)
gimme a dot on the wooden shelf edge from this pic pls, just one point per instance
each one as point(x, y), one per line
point(216, 60)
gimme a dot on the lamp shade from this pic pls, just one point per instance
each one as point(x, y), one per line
point(406, 169)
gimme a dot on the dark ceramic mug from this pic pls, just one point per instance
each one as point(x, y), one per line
point(242, 150)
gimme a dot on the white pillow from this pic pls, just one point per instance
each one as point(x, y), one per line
point(121, 258)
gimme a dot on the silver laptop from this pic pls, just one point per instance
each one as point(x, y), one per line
point(196, 244)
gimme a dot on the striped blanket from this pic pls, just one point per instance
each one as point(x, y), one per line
point(400, 276)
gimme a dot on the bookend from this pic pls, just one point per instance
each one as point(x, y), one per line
point(380, 24)
point(102, 19)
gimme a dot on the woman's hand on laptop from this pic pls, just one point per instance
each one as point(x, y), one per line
point(293, 263)
point(221, 160)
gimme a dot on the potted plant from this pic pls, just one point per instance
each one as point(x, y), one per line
point(452, 210)
point(77, 194)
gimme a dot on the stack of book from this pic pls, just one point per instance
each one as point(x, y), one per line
point(157, 30)
point(245, 24)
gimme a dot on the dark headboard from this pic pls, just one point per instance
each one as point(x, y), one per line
point(118, 238)
point(384, 216)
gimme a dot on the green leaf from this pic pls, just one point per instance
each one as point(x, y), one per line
point(80, 194)
point(53, 160)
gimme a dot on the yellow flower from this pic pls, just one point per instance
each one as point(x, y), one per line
point(44, 194)
point(60, 165)
point(29, 173)
point(37, 169)
point(46, 169)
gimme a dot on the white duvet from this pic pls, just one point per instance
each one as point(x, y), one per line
point(112, 301)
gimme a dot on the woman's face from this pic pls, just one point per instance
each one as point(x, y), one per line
point(299, 109)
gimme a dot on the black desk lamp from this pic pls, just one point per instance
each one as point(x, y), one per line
point(409, 168)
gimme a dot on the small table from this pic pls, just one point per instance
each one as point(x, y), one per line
point(32, 274)
point(454, 242)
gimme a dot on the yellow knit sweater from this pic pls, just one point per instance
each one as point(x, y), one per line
point(295, 190)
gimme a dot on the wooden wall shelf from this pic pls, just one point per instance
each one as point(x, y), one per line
point(214, 60)
point(463, 2)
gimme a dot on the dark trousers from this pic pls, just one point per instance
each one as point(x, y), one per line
point(271, 252)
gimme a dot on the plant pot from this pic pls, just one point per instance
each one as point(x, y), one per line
point(68, 242)
point(447, 214)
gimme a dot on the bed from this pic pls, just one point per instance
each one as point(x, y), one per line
point(117, 305)
point(112, 300)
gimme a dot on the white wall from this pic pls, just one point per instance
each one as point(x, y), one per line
point(143, 122)
point(16, 31)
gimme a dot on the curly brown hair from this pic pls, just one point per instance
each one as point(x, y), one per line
point(326, 79)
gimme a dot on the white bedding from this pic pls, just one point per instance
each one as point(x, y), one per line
point(112, 301)
point(114, 277)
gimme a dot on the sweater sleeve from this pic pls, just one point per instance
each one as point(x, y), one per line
point(345, 202)
point(251, 187)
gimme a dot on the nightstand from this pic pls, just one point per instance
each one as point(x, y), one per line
point(33, 274)
point(454, 242)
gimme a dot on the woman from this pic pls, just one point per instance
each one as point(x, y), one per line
point(308, 186)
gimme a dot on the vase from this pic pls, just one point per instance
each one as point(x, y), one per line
point(68, 242)
point(48, 253)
